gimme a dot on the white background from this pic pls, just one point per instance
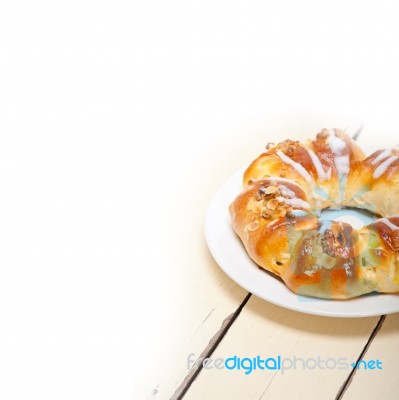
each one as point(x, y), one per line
point(105, 109)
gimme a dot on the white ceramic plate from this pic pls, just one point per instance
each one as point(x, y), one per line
point(232, 257)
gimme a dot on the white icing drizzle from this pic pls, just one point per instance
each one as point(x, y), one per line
point(381, 169)
point(342, 163)
point(388, 223)
point(338, 147)
point(272, 222)
point(298, 167)
point(299, 213)
point(287, 191)
point(277, 178)
point(385, 154)
point(322, 174)
point(295, 202)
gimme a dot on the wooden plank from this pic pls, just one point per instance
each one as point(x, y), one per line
point(378, 383)
point(198, 295)
point(268, 331)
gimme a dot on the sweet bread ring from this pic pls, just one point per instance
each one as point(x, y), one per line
point(277, 216)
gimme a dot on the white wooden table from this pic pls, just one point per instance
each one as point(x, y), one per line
point(119, 120)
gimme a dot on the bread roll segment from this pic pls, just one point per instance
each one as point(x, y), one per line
point(276, 216)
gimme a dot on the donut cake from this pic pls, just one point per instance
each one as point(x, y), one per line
point(276, 216)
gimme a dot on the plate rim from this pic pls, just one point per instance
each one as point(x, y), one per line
point(235, 178)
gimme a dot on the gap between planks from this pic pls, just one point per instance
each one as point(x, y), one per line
point(208, 351)
point(348, 380)
point(373, 334)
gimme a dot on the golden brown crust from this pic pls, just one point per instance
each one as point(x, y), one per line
point(373, 183)
point(275, 219)
point(262, 222)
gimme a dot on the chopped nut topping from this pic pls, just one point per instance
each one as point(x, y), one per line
point(270, 189)
point(268, 203)
point(322, 135)
point(290, 151)
point(256, 208)
point(266, 214)
point(269, 145)
point(250, 204)
point(327, 261)
point(253, 226)
point(272, 204)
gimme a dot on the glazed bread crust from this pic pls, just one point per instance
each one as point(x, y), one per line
point(276, 216)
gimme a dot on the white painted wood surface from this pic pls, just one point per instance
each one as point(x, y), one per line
point(118, 121)
point(379, 384)
point(268, 331)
